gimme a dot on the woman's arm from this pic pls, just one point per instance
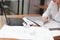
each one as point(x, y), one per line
point(47, 13)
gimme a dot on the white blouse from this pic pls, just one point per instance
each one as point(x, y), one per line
point(52, 11)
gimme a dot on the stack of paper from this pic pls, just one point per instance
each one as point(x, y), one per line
point(28, 22)
point(18, 32)
point(38, 20)
point(33, 20)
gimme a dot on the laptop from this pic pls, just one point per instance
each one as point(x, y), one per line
point(14, 21)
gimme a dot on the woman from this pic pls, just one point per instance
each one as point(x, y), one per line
point(52, 12)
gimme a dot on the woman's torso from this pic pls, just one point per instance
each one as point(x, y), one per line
point(55, 12)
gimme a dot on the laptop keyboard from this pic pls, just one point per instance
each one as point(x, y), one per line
point(15, 21)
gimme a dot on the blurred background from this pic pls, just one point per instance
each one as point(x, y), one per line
point(20, 7)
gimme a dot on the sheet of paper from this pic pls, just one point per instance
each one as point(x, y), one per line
point(34, 18)
point(55, 33)
point(38, 20)
point(20, 32)
point(52, 24)
point(28, 21)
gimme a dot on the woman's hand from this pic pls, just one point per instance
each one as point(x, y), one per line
point(45, 19)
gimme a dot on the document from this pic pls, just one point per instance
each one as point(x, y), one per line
point(38, 20)
point(28, 22)
point(52, 24)
point(55, 33)
point(33, 20)
point(21, 32)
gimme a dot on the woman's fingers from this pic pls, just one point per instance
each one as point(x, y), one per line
point(45, 19)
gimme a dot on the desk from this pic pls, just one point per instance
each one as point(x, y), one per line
point(2, 22)
point(7, 39)
point(57, 38)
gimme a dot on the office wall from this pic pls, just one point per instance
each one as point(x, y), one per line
point(14, 6)
point(33, 9)
point(1, 0)
point(47, 2)
point(29, 6)
point(20, 7)
point(26, 6)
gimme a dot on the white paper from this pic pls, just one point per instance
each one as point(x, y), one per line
point(55, 33)
point(20, 32)
point(38, 20)
point(52, 24)
point(28, 21)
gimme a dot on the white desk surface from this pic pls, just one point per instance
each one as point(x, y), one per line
point(50, 24)
point(21, 32)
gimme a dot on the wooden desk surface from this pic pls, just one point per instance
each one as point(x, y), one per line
point(10, 39)
point(57, 38)
point(7, 39)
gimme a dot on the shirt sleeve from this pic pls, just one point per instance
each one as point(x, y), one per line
point(48, 11)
